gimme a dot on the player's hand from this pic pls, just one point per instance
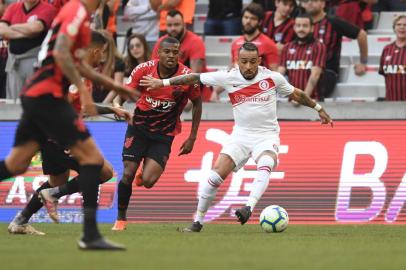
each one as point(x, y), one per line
point(360, 69)
point(187, 146)
point(150, 82)
point(123, 114)
point(86, 100)
point(325, 118)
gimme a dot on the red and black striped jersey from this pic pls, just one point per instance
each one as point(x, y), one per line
point(393, 68)
point(330, 31)
point(159, 110)
point(73, 22)
point(298, 59)
point(283, 33)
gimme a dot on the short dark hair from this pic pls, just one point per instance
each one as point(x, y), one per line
point(255, 9)
point(98, 38)
point(305, 16)
point(174, 12)
point(249, 46)
point(168, 40)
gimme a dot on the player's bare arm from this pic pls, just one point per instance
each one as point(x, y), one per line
point(89, 73)
point(31, 29)
point(118, 112)
point(187, 146)
point(64, 60)
point(302, 98)
point(152, 83)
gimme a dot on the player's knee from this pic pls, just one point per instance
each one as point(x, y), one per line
point(266, 162)
point(17, 167)
point(149, 182)
point(106, 173)
point(128, 176)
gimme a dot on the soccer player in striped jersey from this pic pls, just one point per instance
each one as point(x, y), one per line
point(393, 63)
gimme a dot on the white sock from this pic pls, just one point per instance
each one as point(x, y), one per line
point(207, 195)
point(264, 167)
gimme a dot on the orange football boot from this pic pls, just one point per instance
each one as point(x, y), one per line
point(120, 225)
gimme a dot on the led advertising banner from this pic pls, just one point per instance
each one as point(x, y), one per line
point(352, 173)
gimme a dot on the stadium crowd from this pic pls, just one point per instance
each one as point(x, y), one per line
point(305, 48)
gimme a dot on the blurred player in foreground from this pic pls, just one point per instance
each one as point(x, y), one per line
point(48, 115)
point(57, 161)
point(252, 90)
point(156, 122)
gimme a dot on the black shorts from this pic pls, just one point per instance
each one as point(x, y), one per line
point(46, 117)
point(56, 159)
point(139, 144)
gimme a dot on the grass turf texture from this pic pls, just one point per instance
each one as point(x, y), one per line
point(159, 246)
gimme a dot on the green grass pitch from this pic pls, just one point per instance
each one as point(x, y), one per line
point(159, 246)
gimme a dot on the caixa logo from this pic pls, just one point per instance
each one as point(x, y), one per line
point(232, 196)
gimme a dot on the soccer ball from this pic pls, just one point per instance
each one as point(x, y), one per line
point(274, 219)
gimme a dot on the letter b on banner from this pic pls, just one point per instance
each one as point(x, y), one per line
point(371, 180)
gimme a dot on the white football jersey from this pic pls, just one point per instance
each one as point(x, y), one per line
point(254, 101)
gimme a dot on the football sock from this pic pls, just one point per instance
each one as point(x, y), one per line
point(89, 176)
point(124, 195)
point(264, 168)
point(207, 195)
point(32, 207)
point(71, 187)
point(4, 172)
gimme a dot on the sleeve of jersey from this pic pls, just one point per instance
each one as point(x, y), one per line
point(380, 71)
point(344, 28)
point(283, 88)
point(272, 54)
point(194, 91)
point(320, 56)
point(8, 14)
point(135, 77)
point(217, 78)
point(47, 16)
point(72, 22)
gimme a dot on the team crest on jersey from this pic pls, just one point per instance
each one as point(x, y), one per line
point(128, 142)
point(32, 18)
point(278, 37)
point(309, 51)
point(264, 85)
point(322, 31)
point(292, 50)
point(388, 57)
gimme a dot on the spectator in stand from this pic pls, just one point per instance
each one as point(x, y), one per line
point(329, 30)
point(223, 18)
point(304, 59)
point(356, 12)
point(138, 52)
point(113, 67)
point(113, 6)
point(267, 5)
point(278, 25)
point(144, 18)
point(3, 56)
point(252, 17)
point(25, 24)
point(192, 48)
point(392, 65)
point(186, 7)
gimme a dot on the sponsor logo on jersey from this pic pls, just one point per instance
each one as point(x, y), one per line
point(394, 69)
point(299, 64)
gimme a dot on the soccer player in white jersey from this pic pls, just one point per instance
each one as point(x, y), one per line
point(252, 90)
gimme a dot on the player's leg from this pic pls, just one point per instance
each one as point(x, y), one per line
point(18, 159)
point(223, 166)
point(265, 155)
point(134, 149)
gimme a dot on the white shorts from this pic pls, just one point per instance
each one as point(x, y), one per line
point(242, 146)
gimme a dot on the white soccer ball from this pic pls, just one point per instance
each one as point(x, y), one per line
point(274, 219)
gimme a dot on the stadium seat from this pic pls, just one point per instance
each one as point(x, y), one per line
point(376, 43)
point(218, 59)
point(219, 44)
